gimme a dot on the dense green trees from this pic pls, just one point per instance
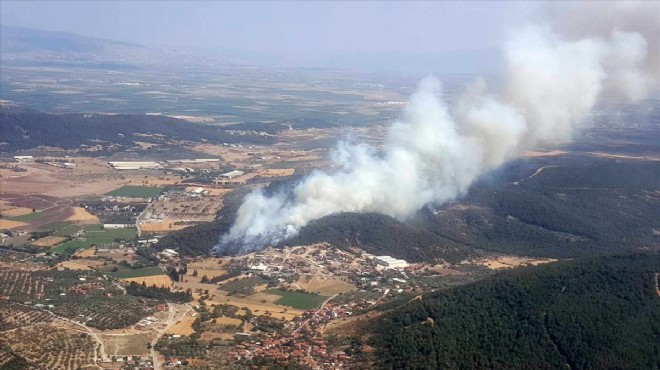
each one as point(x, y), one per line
point(158, 293)
point(379, 234)
point(583, 314)
point(24, 129)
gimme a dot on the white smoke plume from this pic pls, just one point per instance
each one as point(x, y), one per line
point(434, 152)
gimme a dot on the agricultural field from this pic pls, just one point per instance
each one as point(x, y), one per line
point(14, 316)
point(94, 235)
point(79, 295)
point(126, 344)
point(8, 224)
point(135, 191)
point(47, 347)
point(183, 326)
point(20, 284)
point(100, 311)
point(32, 216)
point(48, 241)
point(135, 273)
point(323, 286)
point(157, 280)
point(302, 301)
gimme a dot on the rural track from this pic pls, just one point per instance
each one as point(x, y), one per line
point(171, 320)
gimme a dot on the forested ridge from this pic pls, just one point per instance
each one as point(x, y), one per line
point(567, 211)
point(379, 234)
point(597, 313)
point(26, 128)
point(564, 211)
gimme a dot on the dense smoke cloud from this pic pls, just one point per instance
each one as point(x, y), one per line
point(434, 152)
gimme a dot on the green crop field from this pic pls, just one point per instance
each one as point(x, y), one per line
point(133, 191)
point(71, 245)
point(94, 235)
point(302, 301)
point(146, 271)
point(28, 217)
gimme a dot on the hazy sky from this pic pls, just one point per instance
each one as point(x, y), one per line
point(300, 29)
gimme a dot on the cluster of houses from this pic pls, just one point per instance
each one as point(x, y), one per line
point(127, 363)
point(303, 344)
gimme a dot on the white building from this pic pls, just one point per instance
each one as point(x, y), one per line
point(117, 226)
point(134, 165)
point(389, 262)
point(259, 267)
point(24, 158)
point(170, 252)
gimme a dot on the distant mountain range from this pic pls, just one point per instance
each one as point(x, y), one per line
point(26, 45)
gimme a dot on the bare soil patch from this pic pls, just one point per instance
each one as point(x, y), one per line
point(265, 297)
point(126, 344)
point(7, 224)
point(81, 214)
point(48, 241)
point(183, 326)
point(277, 172)
point(327, 287)
point(158, 280)
point(504, 262)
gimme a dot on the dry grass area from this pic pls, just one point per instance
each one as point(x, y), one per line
point(217, 192)
point(163, 226)
point(48, 241)
point(183, 326)
point(227, 321)
point(85, 253)
point(210, 263)
point(271, 298)
point(126, 344)
point(67, 190)
point(327, 287)
point(7, 224)
point(81, 214)
point(9, 210)
point(209, 336)
point(73, 265)
point(504, 262)
point(204, 272)
point(81, 264)
point(277, 172)
point(257, 307)
point(158, 280)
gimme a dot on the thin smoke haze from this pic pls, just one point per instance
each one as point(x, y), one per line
point(435, 151)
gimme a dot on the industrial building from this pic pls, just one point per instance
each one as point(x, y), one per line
point(24, 158)
point(389, 262)
point(196, 160)
point(134, 165)
point(228, 177)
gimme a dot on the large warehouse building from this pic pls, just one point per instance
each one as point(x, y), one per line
point(389, 262)
point(134, 165)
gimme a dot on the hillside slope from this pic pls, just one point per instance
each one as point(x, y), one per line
point(600, 313)
point(379, 234)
